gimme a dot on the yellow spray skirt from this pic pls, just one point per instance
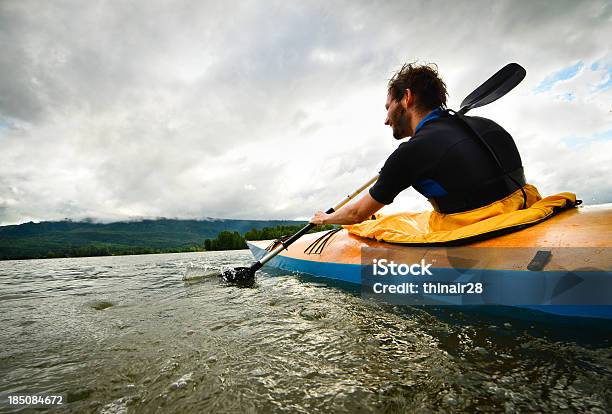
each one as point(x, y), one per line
point(431, 227)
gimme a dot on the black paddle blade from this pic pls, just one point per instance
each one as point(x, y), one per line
point(240, 276)
point(495, 87)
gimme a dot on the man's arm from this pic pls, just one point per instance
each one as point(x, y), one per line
point(351, 213)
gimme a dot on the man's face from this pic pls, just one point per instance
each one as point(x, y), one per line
point(397, 118)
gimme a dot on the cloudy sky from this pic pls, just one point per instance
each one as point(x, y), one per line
point(119, 110)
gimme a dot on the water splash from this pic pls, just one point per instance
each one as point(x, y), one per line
point(196, 272)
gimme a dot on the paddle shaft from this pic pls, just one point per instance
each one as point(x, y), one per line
point(285, 244)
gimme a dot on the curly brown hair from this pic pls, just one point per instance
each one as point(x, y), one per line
point(423, 81)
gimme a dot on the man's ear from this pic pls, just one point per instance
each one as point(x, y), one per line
point(407, 99)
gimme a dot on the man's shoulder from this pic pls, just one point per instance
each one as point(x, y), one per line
point(450, 126)
point(432, 139)
point(483, 122)
point(439, 129)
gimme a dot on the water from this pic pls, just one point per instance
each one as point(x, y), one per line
point(128, 335)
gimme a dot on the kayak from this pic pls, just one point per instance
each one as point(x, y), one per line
point(572, 248)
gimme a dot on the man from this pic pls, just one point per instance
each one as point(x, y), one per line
point(458, 163)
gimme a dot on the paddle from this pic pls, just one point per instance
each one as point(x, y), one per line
point(491, 90)
point(494, 88)
point(246, 275)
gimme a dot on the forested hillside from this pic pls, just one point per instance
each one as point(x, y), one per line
point(69, 239)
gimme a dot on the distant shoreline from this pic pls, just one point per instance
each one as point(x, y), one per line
point(68, 239)
point(115, 255)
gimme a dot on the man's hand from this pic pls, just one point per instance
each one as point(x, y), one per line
point(349, 214)
point(319, 218)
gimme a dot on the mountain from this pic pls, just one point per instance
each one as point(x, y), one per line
point(86, 238)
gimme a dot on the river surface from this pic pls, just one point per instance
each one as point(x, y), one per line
point(129, 335)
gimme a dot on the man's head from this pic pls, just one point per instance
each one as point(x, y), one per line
point(413, 90)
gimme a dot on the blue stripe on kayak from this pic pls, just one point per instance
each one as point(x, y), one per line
point(351, 273)
point(339, 271)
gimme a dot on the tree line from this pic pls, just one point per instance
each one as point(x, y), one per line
point(232, 240)
point(92, 250)
point(225, 240)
